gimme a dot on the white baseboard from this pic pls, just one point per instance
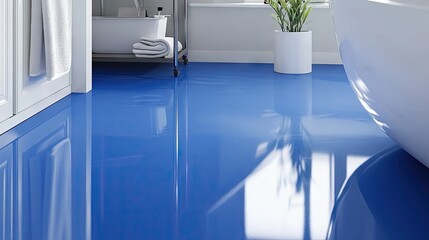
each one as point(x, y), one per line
point(327, 58)
point(254, 57)
point(230, 56)
point(31, 111)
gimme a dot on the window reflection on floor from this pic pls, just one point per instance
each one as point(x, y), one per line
point(273, 207)
point(292, 192)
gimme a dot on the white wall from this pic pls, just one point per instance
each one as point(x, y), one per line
point(236, 32)
point(82, 47)
point(244, 33)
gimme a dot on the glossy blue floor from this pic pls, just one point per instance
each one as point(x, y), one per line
point(226, 151)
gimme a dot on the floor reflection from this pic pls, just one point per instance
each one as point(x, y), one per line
point(133, 159)
point(244, 153)
point(267, 159)
point(386, 198)
point(44, 180)
point(37, 173)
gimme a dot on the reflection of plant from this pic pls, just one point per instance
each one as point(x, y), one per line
point(291, 15)
point(300, 172)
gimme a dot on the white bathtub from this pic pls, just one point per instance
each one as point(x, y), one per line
point(384, 45)
point(117, 35)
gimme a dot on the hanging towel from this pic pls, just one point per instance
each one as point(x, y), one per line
point(57, 26)
point(37, 64)
point(155, 48)
point(50, 38)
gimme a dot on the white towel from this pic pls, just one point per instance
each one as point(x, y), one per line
point(155, 48)
point(37, 64)
point(51, 38)
point(57, 16)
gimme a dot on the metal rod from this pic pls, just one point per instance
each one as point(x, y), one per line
point(176, 33)
point(102, 8)
point(186, 25)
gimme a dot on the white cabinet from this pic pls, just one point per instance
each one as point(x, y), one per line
point(30, 90)
point(6, 57)
point(22, 96)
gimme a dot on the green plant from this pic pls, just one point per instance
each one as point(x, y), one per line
point(290, 14)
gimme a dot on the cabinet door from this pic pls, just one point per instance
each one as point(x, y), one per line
point(6, 55)
point(6, 160)
point(30, 90)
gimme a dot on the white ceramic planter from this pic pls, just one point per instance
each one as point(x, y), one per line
point(293, 52)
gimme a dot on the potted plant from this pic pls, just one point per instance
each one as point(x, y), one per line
point(292, 45)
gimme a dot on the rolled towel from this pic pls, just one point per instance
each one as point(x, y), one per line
point(155, 48)
point(142, 46)
point(149, 54)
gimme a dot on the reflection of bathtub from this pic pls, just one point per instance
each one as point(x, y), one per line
point(117, 35)
point(384, 45)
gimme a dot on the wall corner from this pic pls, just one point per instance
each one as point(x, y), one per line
point(81, 81)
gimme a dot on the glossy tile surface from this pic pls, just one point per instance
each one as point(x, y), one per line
point(227, 151)
point(386, 198)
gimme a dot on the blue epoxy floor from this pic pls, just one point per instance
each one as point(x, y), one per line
point(226, 151)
